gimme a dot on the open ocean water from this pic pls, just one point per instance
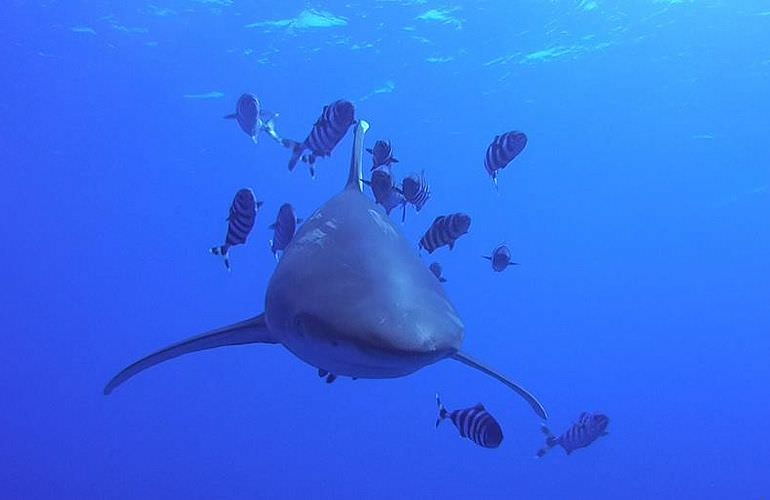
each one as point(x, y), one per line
point(639, 213)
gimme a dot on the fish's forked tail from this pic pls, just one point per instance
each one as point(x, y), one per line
point(296, 152)
point(224, 251)
point(442, 411)
point(272, 247)
point(310, 159)
point(268, 127)
point(550, 441)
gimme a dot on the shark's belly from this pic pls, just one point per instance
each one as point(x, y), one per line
point(346, 358)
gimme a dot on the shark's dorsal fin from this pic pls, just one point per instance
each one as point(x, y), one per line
point(354, 176)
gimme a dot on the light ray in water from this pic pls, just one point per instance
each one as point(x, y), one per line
point(208, 95)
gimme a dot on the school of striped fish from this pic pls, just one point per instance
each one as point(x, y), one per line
point(474, 423)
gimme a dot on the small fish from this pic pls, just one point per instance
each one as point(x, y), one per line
point(474, 423)
point(385, 193)
point(330, 377)
point(501, 258)
point(502, 151)
point(243, 213)
point(416, 191)
point(327, 132)
point(252, 118)
point(382, 154)
point(283, 228)
point(247, 114)
point(435, 268)
point(588, 428)
point(445, 230)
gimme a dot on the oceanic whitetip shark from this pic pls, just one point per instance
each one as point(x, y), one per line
point(351, 297)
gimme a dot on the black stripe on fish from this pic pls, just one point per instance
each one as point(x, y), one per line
point(334, 122)
point(445, 230)
point(474, 423)
point(284, 227)
point(582, 433)
point(503, 149)
point(416, 191)
point(382, 154)
point(243, 213)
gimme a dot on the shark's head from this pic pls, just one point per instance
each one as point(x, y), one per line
point(351, 296)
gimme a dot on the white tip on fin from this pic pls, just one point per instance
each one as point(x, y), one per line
point(355, 173)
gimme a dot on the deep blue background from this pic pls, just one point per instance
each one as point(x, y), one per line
point(640, 211)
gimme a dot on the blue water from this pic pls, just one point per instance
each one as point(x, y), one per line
point(640, 212)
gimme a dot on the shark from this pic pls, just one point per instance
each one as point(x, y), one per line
point(351, 297)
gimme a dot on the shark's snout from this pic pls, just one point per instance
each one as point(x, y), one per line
point(377, 348)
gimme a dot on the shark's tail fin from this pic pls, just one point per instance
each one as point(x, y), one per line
point(550, 441)
point(296, 151)
point(224, 251)
point(442, 411)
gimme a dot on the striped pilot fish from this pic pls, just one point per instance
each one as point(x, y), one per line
point(284, 227)
point(501, 258)
point(330, 377)
point(327, 132)
point(243, 213)
point(385, 193)
point(252, 118)
point(416, 191)
point(445, 230)
point(382, 154)
point(435, 268)
point(474, 423)
point(588, 428)
point(502, 151)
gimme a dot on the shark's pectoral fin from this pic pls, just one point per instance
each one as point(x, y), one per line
point(533, 402)
point(250, 331)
